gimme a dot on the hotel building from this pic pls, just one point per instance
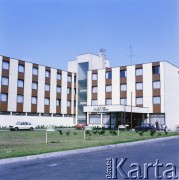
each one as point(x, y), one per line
point(89, 92)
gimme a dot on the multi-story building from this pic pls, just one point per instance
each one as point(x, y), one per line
point(90, 92)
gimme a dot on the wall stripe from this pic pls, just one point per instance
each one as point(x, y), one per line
point(13, 75)
point(64, 93)
point(27, 87)
point(53, 85)
point(41, 89)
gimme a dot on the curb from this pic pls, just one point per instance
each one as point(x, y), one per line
point(78, 151)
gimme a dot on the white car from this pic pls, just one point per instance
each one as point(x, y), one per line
point(21, 126)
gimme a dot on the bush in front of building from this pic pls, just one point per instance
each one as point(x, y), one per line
point(113, 132)
point(60, 132)
point(95, 131)
point(101, 132)
point(152, 132)
point(67, 133)
point(141, 133)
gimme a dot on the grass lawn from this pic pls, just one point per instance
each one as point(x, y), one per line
point(22, 143)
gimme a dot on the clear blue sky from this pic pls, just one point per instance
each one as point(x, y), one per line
point(52, 32)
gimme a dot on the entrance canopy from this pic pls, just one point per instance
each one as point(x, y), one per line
point(115, 108)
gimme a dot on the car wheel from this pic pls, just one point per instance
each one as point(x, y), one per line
point(31, 128)
point(16, 128)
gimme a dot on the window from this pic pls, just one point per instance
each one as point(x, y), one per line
point(5, 65)
point(74, 103)
point(58, 102)
point(58, 89)
point(108, 88)
point(94, 102)
point(20, 83)
point(20, 99)
point(59, 76)
point(68, 90)
point(156, 69)
point(94, 77)
point(94, 89)
point(69, 79)
point(139, 86)
point(139, 100)
point(47, 73)
point(123, 74)
point(47, 101)
point(35, 71)
point(123, 101)
point(138, 72)
point(34, 85)
point(156, 100)
point(3, 97)
point(21, 68)
point(108, 101)
point(74, 91)
point(5, 81)
point(156, 84)
point(109, 75)
point(47, 87)
point(68, 103)
point(123, 87)
point(34, 100)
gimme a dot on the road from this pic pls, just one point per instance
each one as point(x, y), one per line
point(92, 166)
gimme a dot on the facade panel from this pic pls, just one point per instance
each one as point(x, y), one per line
point(64, 93)
point(115, 86)
point(27, 87)
point(101, 87)
point(53, 88)
point(41, 90)
point(12, 93)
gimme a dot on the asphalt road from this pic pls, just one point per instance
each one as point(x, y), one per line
point(93, 166)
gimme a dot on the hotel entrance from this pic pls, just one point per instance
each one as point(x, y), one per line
point(109, 117)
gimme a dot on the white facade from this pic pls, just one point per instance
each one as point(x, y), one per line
point(150, 96)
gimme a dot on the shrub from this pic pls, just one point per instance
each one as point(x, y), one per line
point(102, 131)
point(60, 131)
point(159, 133)
point(88, 132)
point(75, 133)
point(152, 132)
point(113, 132)
point(141, 133)
point(67, 133)
point(95, 131)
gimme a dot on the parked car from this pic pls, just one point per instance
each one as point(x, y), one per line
point(145, 127)
point(21, 126)
point(80, 126)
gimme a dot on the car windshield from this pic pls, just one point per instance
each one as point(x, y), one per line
point(18, 123)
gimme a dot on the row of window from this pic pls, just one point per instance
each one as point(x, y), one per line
point(123, 87)
point(20, 83)
point(123, 101)
point(20, 99)
point(123, 73)
point(21, 68)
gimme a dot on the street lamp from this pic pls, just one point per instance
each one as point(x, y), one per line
point(131, 110)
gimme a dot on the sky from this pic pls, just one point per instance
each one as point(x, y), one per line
point(53, 32)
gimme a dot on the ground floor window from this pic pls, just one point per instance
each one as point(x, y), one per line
point(157, 117)
point(94, 119)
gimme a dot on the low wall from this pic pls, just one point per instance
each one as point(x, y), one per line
point(6, 120)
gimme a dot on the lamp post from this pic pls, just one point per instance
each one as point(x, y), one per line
point(131, 110)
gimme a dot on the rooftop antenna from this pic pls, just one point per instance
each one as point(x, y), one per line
point(102, 54)
point(131, 54)
point(102, 51)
